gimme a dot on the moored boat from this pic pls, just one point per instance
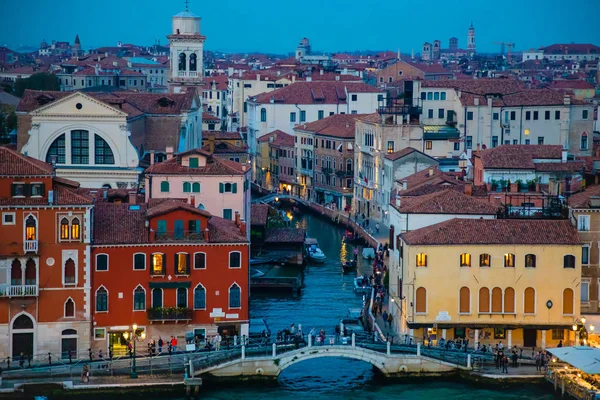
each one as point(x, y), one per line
point(361, 284)
point(316, 255)
point(349, 265)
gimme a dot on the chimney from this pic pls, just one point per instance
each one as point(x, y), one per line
point(243, 226)
point(151, 157)
point(193, 200)
point(169, 151)
point(211, 142)
point(309, 79)
point(293, 78)
point(458, 93)
point(132, 197)
point(337, 77)
point(567, 100)
point(563, 155)
point(206, 235)
point(430, 171)
point(321, 72)
point(469, 189)
point(404, 184)
point(476, 101)
point(489, 101)
point(398, 201)
point(258, 77)
point(237, 218)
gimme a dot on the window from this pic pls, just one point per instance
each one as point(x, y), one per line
point(421, 260)
point(494, 141)
point(529, 301)
point(102, 151)
point(182, 297)
point(235, 296)
point(235, 259)
point(485, 260)
point(80, 147)
point(139, 261)
point(464, 300)
point(527, 141)
point(558, 334)
point(496, 300)
point(102, 262)
point(546, 114)
point(530, 261)
point(227, 213)
point(585, 291)
point(535, 115)
point(390, 146)
point(57, 150)
point(292, 117)
point(428, 145)
point(584, 114)
point(101, 299)
point(583, 223)
point(509, 260)
point(199, 298)
point(465, 260)
point(585, 254)
point(429, 95)
point(509, 300)
point(187, 187)
point(263, 115)
point(540, 140)
point(528, 115)
point(496, 116)
point(302, 116)
point(69, 308)
point(557, 114)
point(164, 186)
point(430, 113)
point(484, 300)
point(30, 228)
point(196, 187)
point(354, 97)
point(75, 229)
point(441, 113)
point(569, 261)
point(513, 115)
point(64, 229)
point(421, 301)
point(584, 141)
point(157, 297)
point(227, 187)
point(139, 299)
point(158, 264)
point(469, 142)
point(8, 218)
point(456, 146)
point(443, 96)
point(200, 261)
point(99, 333)
point(436, 95)
point(182, 264)
point(193, 162)
point(321, 114)
point(568, 302)
point(469, 115)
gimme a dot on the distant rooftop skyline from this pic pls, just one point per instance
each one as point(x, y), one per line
point(331, 26)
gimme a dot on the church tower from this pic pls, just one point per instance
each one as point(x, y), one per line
point(186, 43)
point(471, 39)
point(76, 48)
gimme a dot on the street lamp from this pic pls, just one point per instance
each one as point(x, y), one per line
point(134, 338)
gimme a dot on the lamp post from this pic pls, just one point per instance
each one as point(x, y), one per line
point(134, 338)
point(580, 331)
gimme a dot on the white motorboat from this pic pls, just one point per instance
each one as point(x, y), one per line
point(316, 255)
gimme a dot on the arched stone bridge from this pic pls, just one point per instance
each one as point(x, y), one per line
point(389, 364)
point(271, 198)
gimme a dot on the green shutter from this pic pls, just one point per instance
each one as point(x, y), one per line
point(221, 187)
point(193, 162)
point(162, 226)
point(198, 228)
point(164, 186)
point(186, 187)
point(234, 188)
point(196, 187)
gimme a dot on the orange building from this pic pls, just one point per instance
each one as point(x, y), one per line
point(170, 268)
point(45, 304)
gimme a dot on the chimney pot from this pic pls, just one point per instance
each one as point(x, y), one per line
point(206, 235)
point(151, 157)
point(132, 197)
point(430, 171)
point(169, 152)
point(237, 218)
point(469, 189)
point(243, 226)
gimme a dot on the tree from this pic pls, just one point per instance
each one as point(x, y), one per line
point(11, 122)
point(39, 81)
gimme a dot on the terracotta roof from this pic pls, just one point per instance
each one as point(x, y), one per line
point(571, 84)
point(285, 235)
point(569, 166)
point(259, 214)
point(326, 92)
point(280, 138)
point(207, 117)
point(571, 48)
point(214, 166)
point(220, 81)
point(220, 135)
point(432, 175)
point(518, 156)
point(172, 205)
point(225, 147)
point(447, 201)
point(371, 118)
point(430, 68)
point(116, 223)
point(224, 231)
point(338, 125)
point(582, 199)
point(460, 231)
point(13, 163)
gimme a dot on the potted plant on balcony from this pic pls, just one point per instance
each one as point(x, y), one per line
point(494, 184)
point(520, 186)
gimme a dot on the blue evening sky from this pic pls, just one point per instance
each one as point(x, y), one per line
point(331, 25)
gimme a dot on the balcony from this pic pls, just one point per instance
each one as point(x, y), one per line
point(347, 173)
point(18, 290)
point(30, 246)
point(169, 314)
point(399, 107)
point(178, 236)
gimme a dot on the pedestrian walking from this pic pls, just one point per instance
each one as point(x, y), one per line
point(218, 341)
point(384, 317)
point(538, 361)
point(160, 344)
point(505, 365)
point(85, 374)
point(174, 343)
point(377, 227)
point(559, 343)
point(390, 320)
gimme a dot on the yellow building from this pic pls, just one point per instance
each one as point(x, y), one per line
point(489, 281)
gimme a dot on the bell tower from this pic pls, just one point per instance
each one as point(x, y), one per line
point(186, 44)
point(471, 39)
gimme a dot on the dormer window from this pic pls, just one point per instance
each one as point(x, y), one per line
point(193, 162)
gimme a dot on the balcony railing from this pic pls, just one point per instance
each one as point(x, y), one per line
point(341, 173)
point(18, 290)
point(30, 246)
point(400, 109)
point(169, 314)
point(178, 236)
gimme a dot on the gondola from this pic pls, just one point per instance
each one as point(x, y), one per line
point(351, 236)
point(349, 265)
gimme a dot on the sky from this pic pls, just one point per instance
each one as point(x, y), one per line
point(272, 26)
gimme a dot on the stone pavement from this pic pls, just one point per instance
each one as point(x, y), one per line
point(489, 370)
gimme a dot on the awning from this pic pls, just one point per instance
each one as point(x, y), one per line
point(584, 358)
point(169, 285)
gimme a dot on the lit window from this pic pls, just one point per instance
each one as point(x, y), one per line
point(509, 260)
point(75, 231)
point(182, 264)
point(421, 260)
point(428, 145)
point(30, 229)
point(465, 260)
point(530, 261)
point(64, 229)
point(158, 264)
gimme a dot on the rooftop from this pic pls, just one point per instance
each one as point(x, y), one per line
point(259, 214)
point(214, 166)
point(447, 201)
point(285, 235)
point(325, 92)
point(519, 156)
point(338, 125)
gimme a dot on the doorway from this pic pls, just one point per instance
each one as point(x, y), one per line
point(69, 343)
point(529, 337)
point(22, 336)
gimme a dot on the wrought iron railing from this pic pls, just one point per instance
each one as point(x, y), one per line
point(169, 314)
point(176, 236)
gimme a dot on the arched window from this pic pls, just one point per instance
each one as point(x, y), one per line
point(157, 297)
point(485, 260)
point(101, 299)
point(235, 259)
point(569, 261)
point(263, 115)
point(69, 308)
point(70, 275)
point(509, 260)
point(349, 165)
point(103, 154)
point(509, 300)
point(193, 60)
point(584, 141)
point(235, 296)
point(529, 301)
point(182, 297)
point(30, 272)
point(568, 302)
point(496, 300)
point(23, 322)
point(465, 300)
point(16, 273)
point(465, 260)
point(484, 300)
point(80, 147)
point(187, 187)
point(182, 61)
point(57, 150)
point(139, 299)
point(75, 231)
point(164, 186)
point(196, 187)
point(30, 228)
point(64, 228)
point(421, 301)
point(421, 260)
point(199, 298)
point(530, 261)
